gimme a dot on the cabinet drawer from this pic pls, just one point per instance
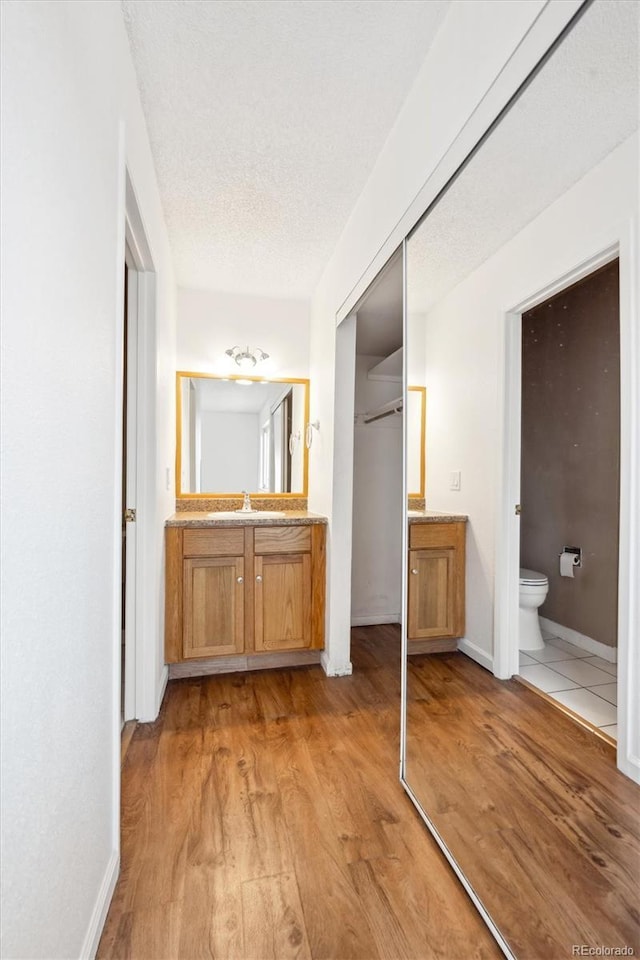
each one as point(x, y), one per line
point(282, 540)
point(437, 535)
point(226, 542)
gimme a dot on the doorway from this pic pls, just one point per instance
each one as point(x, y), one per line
point(342, 570)
point(377, 518)
point(129, 490)
point(506, 653)
point(569, 497)
point(135, 466)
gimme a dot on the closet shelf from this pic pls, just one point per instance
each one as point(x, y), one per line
point(389, 369)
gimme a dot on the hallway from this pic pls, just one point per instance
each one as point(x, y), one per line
point(263, 818)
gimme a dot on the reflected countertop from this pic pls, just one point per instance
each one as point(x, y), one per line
point(435, 516)
point(201, 518)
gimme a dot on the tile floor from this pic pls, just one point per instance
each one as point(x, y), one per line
point(575, 678)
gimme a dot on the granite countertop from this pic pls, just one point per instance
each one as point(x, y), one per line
point(435, 516)
point(289, 518)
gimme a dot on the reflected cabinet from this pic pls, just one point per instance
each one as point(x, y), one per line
point(436, 581)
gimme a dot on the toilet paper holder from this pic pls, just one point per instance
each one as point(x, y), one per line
point(577, 554)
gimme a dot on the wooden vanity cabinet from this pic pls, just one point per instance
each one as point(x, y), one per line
point(244, 590)
point(213, 606)
point(436, 581)
point(282, 590)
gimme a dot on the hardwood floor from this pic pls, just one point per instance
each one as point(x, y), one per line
point(126, 734)
point(262, 817)
point(531, 805)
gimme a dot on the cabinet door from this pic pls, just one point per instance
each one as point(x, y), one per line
point(213, 606)
point(282, 597)
point(436, 600)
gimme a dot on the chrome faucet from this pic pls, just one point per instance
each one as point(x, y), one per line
point(246, 502)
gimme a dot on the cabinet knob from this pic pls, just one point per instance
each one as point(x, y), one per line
point(240, 579)
point(414, 571)
point(259, 578)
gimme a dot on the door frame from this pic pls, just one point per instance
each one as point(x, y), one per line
point(141, 320)
point(505, 662)
point(340, 545)
point(130, 334)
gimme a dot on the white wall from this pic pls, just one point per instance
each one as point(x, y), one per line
point(209, 322)
point(376, 570)
point(298, 427)
point(71, 115)
point(465, 344)
point(223, 433)
point(480, 55)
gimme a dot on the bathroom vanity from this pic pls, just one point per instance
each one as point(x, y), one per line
point(436, 602)
point(239, 588)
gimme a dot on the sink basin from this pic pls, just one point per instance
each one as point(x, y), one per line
point(250, 514)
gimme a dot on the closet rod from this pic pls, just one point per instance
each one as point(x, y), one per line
point(370, 417)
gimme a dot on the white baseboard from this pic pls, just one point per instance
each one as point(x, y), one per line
point(476, 653)
point(335, 669)
point(164, 679)
point(629, 765)
point(580, 640)
point(374, 619)
point(101, 907)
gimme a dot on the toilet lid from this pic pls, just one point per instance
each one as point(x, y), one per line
point(531, 577)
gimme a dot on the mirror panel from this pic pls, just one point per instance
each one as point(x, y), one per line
point(528, 803)
point(416, 441)
point(241, 433)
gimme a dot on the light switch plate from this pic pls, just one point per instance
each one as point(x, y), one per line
point(455, 480)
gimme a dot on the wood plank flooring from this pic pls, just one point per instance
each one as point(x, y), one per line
point(262, 817)
point(530, 804)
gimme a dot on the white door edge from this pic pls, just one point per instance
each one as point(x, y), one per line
point(131, 499)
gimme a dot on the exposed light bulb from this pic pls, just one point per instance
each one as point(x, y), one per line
point(245, 358)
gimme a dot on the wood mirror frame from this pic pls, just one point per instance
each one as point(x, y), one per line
point(230, 494)
point(421, 392)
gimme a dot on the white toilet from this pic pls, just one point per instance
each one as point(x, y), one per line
point(534, 587)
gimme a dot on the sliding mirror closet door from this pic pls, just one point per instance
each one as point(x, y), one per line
point(519, 287)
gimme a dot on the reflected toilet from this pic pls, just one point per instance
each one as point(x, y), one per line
point(534, 587)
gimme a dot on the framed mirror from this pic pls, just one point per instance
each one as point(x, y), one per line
point(241, 433)
point(416, 441)
point(520, 317)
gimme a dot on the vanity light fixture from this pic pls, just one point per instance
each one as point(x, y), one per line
point(245, 358)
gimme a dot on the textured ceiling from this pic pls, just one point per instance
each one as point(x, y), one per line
point(582, 104)
point(265, 120)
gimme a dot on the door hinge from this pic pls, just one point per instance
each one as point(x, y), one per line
point(130, 515)
point(518, 509)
